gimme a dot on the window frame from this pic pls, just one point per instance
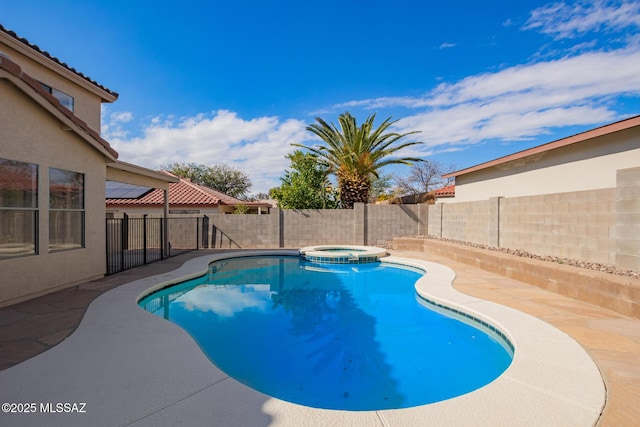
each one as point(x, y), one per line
point(54, 241)
point(66, 100)
point(33, 208)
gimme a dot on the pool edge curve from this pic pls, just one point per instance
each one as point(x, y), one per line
point(551, 375)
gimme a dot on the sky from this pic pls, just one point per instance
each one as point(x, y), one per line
point(237, 82)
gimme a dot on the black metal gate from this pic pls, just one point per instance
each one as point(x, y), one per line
point(132, 242)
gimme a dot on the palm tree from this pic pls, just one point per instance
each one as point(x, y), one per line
point(355, 154)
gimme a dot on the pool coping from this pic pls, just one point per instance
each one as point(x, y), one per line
point(121, 358)
point(342, 254)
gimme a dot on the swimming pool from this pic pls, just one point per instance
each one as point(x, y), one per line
point(353, 337)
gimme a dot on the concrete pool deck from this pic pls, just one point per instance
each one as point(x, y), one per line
point(118, 364)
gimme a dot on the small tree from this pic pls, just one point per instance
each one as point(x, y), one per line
point(381, 188)
point(262, 196)
point(221, 177)
point(424, 177)
point(240, 209)
point(305, 185)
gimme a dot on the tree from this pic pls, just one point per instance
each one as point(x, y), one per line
point(381, 188)
point(221, 177)
point(261, 196)
point(424, 177)
point(355, 154)
point(305, 185)
point(240, 209)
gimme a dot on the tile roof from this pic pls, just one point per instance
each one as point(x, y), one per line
point(54, 59)
point(18, 176)
point(14, 69)
point(448, 191)
point(618, 126)
point(182, 193)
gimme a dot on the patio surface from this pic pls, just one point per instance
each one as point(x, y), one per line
point(29, 328)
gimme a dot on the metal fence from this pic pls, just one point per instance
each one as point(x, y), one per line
point(132, 242)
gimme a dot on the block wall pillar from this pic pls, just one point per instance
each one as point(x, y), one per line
point(627, 230)
point(275, 225)
point(359, 224)
point(423, 219)
point(493, 230)
point(434, 224)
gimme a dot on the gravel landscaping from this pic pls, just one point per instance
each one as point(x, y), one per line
point(524, 254)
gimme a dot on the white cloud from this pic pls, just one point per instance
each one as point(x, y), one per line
point(519, 102)
point(574, 78)
point(516, 103)
point(256, 146)
point(112, 123)
point(447, 45)
point(227, 301)
point(563, 20)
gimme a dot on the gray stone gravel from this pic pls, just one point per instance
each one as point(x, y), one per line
point(524, 254)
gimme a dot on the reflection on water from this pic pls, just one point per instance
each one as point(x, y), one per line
point(330, 336)
point(226, 300)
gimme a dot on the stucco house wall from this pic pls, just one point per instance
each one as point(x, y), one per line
point(37, 129)
point(588, 165)
point(573, 198)
point(88, 95)
point(43, 141)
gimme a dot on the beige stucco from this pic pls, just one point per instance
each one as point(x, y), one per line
point(126, 172)
point(87, 96)
point(588, 165)
point(42, 140)
point(33, 129)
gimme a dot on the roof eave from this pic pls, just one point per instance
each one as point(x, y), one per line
point(44, 58)
point(574, 139)
point(139, 170)
point(12, 72)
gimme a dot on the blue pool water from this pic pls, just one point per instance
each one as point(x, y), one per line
point(353, 337)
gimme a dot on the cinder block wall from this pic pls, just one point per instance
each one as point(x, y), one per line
point(242, 231)
point(384, 222)
point(617, 293)
point(181, 232)
point(468, 221)
point(600, 226)
point(363, 225)
point(308, 227)
point(577, 225)
point(628, 218)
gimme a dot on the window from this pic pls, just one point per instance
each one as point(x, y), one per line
point(66, 210)
point(65, 100)
point(18, 208)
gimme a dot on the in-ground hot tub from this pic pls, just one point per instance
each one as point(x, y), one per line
point(342, 254)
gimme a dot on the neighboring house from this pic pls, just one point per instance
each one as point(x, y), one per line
point(430, 198)
point(185, 198)
point(586, 161)
point(444, 194)
point(53, 168)
point(412, 199)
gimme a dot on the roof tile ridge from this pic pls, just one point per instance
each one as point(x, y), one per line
point(200, 188)
point(166, 172)
point(15, 69)
point(54, 59)
point(220, 195)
